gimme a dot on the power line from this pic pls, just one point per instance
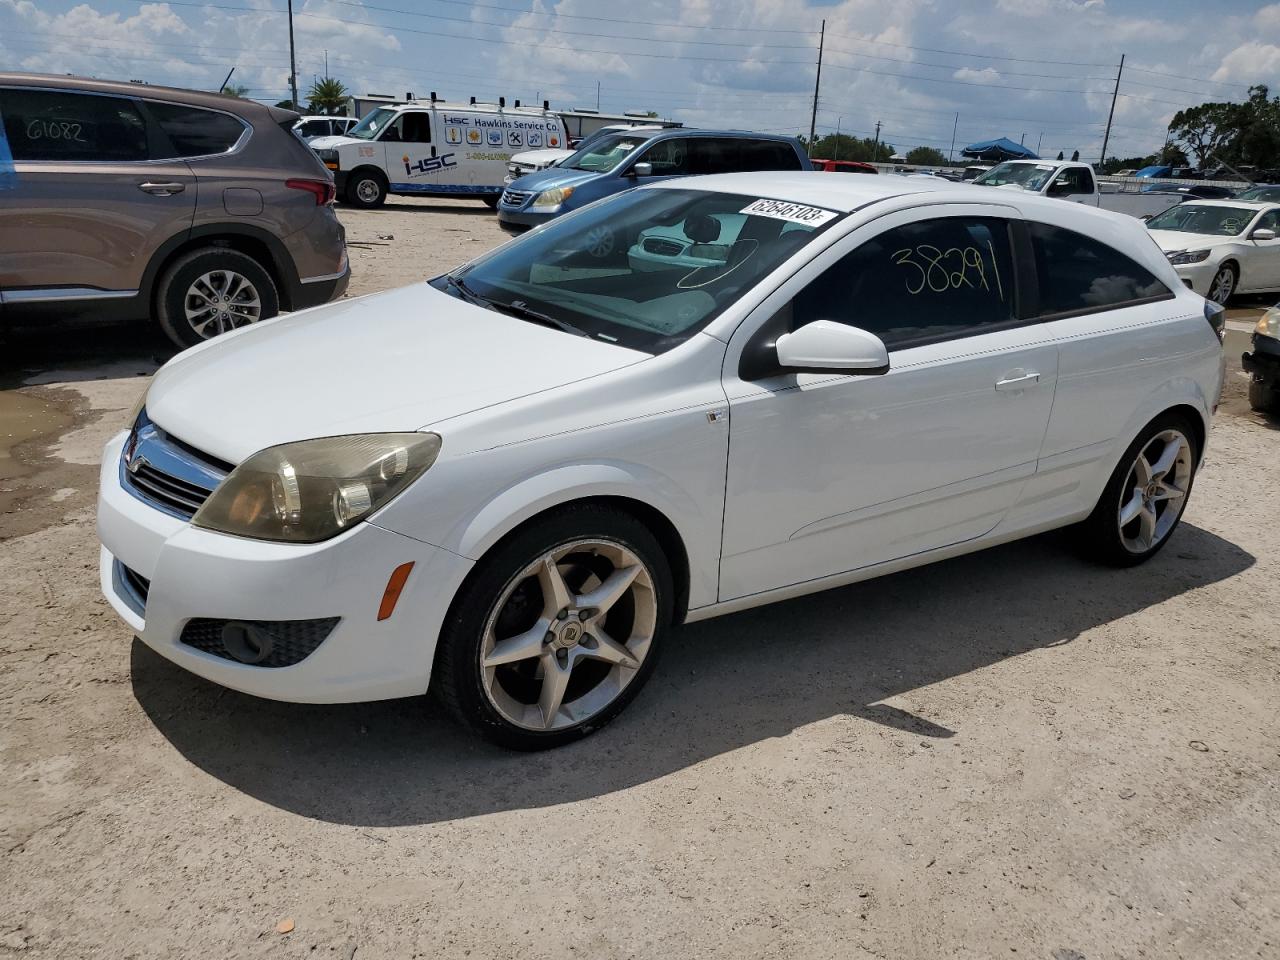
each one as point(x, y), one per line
point(979, 56)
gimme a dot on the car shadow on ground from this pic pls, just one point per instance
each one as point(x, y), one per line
point(722, 684)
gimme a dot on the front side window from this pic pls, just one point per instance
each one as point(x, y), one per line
point(409, 128)
point(646, 269)
point(603, 155)
point(918, 283)
point(669, 158)
point(1208, 219)
point(1267, 194)
point(1074, 180)
point(1269, 221)
point(1079, 274)
point(54, 125)
point(195, 132)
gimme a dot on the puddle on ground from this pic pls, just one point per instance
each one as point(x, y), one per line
point(23, 418)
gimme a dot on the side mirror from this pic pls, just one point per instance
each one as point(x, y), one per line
point(828, 347)
point(642, 170)
point(1263, 234)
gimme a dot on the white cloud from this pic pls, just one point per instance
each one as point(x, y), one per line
point(985, 75)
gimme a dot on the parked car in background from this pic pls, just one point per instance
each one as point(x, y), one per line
point(1221, 248)
point(974, 171)
point(1266, 192)
point(1072, 181)
point(1192, 191)
point(311, 127)
point(531, 161)
point(1263, 363)
point(558, 456)
point(623, 160)
point(201, 211)
point(843, 166)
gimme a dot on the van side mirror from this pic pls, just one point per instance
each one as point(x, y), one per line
point(642, 170)
point(828, 347)
point(1263, 234)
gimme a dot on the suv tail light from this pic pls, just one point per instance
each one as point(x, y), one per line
point(323, 190)
point(1216, 314)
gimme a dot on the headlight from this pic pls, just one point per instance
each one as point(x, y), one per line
point(310, 491)
point(553, 197)
point(1269, 324)
point(1188, 256)
point(513, 169)
point(327, 154)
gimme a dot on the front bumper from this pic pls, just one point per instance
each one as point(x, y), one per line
point(197, 574)
point(1198, 276)
point(517, 218)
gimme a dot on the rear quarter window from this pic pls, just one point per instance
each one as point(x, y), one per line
point(56, 125)
point(194, 132)
point(768, 155)
point(1078, 274)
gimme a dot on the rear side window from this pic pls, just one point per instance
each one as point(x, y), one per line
point(54, 125)
point(194, 132)
point(1078, 274)
point(768, 155)
point(919, 283)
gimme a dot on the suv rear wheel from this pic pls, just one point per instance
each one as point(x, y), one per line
point(212, 290)
point(366, 189)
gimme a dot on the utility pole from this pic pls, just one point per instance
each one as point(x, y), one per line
point(326, 64)
point(817, 83)
point(875, 150)
point(1115, 93)
point(839, 120)
point(954, 127)
point(293, 61)
point(1039, 143)
point(597, 96)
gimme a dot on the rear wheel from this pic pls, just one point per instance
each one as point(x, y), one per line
point(366, 189)
point(211, 291)
point(557, 630)
point(1146, 495)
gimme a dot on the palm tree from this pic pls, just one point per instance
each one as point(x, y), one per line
point(327, 96)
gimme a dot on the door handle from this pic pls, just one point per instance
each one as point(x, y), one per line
point(161, 189)
point(1018, 380)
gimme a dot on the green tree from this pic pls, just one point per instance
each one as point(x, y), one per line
point(238, 90)
point(1207, 129)
point(926, 157)
point(327, 96)
point(844, 147)
point(1259, 139)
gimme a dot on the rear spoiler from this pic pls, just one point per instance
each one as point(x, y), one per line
point(283, 117)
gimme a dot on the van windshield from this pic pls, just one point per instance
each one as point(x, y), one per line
point(373, 124)
point(603, 155)
point(1029, 176)
point(646, 269)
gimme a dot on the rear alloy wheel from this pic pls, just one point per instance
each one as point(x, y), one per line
point(1223, 285)
point(1146, 496)
point(548, 644)
point(212, 291)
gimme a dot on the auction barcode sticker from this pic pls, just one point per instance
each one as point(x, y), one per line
point(793, 212)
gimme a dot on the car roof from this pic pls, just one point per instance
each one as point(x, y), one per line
point(812, 188)
point(1232, 202)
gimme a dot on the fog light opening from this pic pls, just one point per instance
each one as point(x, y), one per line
point(246, 642)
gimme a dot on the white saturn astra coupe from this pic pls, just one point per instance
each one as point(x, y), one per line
point(511, 482)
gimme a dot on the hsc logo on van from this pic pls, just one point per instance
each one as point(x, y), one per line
point(428, 164)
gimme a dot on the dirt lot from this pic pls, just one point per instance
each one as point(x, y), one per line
point(1011, 754)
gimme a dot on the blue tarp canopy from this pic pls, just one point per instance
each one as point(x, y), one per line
point(997, 150)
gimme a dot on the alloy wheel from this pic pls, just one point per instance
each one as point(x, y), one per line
point(368, 190)
point(1153, 495)
point(1224, 284)
point(221, 300)
point(568, 634)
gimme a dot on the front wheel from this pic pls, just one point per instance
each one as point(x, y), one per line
point(366, 190)
point(1223, 285)
point(557, 630)
point(1146, 495)
point(1264, 397)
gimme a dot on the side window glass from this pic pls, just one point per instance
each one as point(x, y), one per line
point(1269, 221)
point(198, 133)
point(714, 155)
point(918, 283)
point(53, 125)
point(410, 128)
point(1077, 273)
point(669, 158)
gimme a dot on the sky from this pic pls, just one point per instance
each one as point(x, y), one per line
point(1037, 71)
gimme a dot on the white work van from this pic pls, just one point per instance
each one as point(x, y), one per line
point(1076, 182)
point(434, 148)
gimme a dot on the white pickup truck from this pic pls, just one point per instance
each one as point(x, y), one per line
point(1075, 182)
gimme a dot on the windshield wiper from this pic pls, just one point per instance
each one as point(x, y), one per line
point(517, 308)
point(467, 293)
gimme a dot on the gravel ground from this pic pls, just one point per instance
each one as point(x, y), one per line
point(1009, 754)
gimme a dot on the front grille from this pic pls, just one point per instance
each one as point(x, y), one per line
point(663, 247)
point(276, 643)
point(515, 198)
point(166, 473)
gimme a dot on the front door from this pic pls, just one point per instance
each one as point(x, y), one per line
point(1262, 272)
point(413, 161)
point(85, 206)
point(828, 474)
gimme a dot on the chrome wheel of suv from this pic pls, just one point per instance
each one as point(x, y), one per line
point(221, 300)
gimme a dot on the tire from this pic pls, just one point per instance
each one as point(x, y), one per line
point(1105, 536)
point(1263, 397)
point(506, 599)
point(1224, 283)
point(366, 189)
point(491, 202)
point(187, 305)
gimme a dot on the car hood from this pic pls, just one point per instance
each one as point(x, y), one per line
point(391, 362)
point(1170, 240)
point(552, 178)
point(540, 157)
point(333, 141)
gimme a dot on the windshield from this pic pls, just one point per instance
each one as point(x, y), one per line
point(603, 155)
point(646, 269)
point(1216, 221)
point(1029, 176)
point(373, 124)
point(1270, 194)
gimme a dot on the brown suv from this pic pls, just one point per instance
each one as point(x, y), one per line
point(123, 200)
